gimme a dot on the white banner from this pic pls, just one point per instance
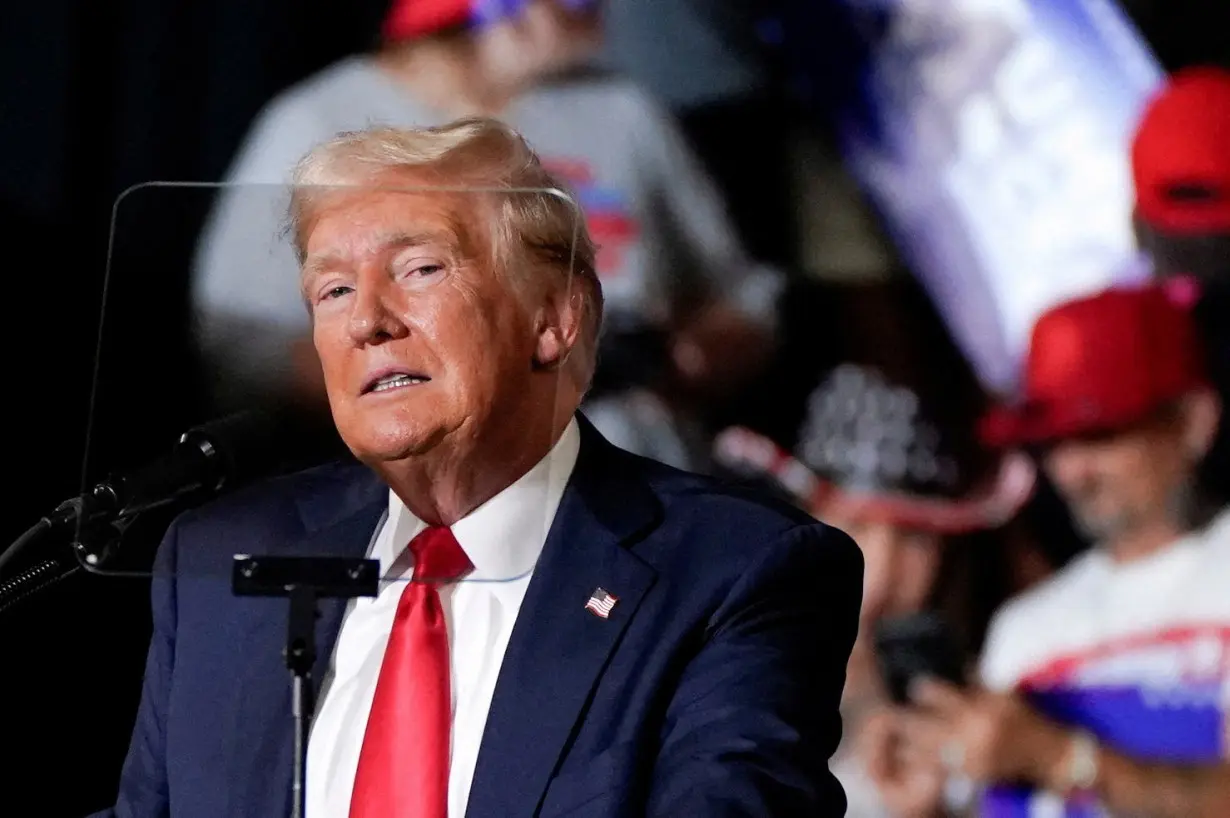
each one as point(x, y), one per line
point(1000, 156)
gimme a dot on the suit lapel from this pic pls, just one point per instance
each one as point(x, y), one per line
point(558, 649)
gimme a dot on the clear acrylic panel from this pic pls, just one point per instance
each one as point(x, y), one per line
point(272, 359)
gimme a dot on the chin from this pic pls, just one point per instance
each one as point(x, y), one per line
point(384, 437)
point(373, 452)
point(1098, 527)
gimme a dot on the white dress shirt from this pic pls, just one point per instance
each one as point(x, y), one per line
point(503, 539)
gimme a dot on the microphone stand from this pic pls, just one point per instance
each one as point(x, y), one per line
point(303, 581)
point(34, 579)
point(91, 549)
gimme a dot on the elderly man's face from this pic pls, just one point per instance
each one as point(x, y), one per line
point(1115, 485)
point(419, 341)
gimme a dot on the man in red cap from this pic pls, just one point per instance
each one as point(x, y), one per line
point(676, 281)
point(1105, 686)
point(1181, 171)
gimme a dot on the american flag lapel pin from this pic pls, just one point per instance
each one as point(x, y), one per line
point(600, 603)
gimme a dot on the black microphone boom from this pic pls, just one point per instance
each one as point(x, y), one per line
point(208, 458)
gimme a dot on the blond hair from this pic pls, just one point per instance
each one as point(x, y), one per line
point(536, 218)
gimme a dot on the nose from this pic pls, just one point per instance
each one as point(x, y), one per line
point(374, 318)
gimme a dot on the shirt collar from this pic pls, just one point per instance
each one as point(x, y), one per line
point(505, 535)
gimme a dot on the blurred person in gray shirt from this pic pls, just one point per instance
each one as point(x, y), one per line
point(671, 266)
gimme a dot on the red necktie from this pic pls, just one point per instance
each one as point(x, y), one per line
point(403, 766)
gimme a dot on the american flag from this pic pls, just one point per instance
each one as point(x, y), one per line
point(601, 602)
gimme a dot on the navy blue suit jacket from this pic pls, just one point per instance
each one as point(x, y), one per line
point(711, 690)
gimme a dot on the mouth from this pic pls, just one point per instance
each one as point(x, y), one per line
point(391, 380)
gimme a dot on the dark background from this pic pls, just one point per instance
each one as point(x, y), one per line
point(96, 97)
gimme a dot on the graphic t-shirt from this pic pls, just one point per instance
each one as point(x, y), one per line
point(1138, 654)
point(662, 229)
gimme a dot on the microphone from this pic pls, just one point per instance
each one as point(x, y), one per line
point(206, 459)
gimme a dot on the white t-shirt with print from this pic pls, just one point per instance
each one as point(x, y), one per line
point(1137, 653)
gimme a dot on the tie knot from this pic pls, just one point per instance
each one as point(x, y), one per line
point(438, 556)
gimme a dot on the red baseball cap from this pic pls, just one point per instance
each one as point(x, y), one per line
point(1100, 364)
point(1181, 154)
point(411, 19)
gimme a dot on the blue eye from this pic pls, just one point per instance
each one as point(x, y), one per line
point(428, 269)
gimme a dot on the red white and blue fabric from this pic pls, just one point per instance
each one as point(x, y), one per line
point(1158, 695)
point(608, 212)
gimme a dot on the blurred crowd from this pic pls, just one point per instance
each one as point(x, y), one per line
point(1044, 621)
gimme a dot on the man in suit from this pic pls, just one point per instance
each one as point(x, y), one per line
point(667, 645)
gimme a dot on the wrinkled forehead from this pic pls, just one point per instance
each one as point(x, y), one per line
point(353, 222)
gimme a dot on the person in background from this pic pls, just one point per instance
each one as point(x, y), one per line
point(1181, 175)
point(872, 458)
point(690, 315)
point(1103, 689)
point(713, 64)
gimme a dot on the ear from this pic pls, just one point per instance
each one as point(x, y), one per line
point(1201, 419)
point(558, 328)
